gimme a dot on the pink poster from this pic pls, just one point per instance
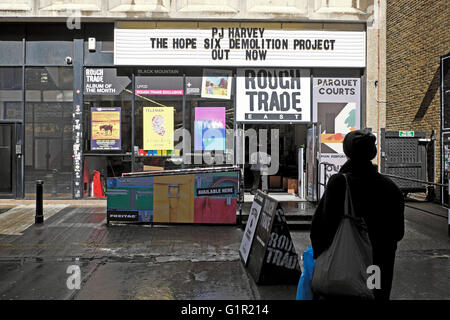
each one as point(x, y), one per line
point(209, 128)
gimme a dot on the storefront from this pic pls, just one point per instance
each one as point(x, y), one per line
point(124, 97)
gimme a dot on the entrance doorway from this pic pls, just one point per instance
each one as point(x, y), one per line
point(283, 178)
point(7, 167)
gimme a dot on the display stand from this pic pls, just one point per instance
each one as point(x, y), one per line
point(198, 195)
point(267, 249)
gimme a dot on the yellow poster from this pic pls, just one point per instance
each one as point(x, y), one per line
point(158, 128)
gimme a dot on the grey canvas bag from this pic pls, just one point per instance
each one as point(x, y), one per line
point(341, 270)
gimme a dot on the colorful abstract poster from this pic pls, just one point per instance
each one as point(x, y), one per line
point(105, 129)
point(337, 120)
point(158, 128)
point(216, 197)
point(216, 84)
point(209, 128)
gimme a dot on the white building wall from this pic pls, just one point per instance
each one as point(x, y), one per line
point(343, 15)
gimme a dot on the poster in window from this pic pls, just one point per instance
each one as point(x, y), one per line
point(337, 120)
point(158, 128)
point(209, 128)
point(216, 84)
point(105, 129)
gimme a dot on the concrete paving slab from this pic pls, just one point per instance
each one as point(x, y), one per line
point(123, 261)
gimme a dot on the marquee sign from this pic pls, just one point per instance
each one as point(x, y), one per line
point(249, 47)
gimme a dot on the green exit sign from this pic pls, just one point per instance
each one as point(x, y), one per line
point(406, 133)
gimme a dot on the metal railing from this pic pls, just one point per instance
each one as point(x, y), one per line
point(324, 184)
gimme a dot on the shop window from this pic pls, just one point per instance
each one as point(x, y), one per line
point(11, 93)
point(48, 130)
point(49, 44)
point(210, 108)
point(158, 118)
point(107, 122)
point(11, 43)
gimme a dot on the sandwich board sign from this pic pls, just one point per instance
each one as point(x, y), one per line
point(272, 258)
point(250, 227)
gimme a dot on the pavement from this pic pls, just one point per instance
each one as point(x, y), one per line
point(195, 262)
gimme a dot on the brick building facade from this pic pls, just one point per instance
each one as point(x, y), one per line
point(417, 36)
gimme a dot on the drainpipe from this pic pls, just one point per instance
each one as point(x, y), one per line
point(378, 86)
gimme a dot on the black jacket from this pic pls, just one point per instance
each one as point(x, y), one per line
point(377, 199)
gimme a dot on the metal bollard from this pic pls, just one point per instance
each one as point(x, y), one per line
point(39, 218)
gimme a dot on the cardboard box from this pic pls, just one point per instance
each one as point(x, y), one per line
point(153, 168)
point(274, 182)
point(293, 186)
point(285, 183)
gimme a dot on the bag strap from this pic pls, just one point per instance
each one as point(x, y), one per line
point(348, 204)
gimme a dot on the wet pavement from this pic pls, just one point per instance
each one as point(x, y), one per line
point(181, 262)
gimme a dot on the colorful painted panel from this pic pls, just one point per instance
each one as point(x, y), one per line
point(216, 197)
point(174, 199)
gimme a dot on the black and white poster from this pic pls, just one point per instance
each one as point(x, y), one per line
point(250, 227)
point(272, 258)
point(273, 95)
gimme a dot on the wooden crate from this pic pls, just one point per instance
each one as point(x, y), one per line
point(293, 186)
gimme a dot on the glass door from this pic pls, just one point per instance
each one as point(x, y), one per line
point(6, 160)
point(312, 161)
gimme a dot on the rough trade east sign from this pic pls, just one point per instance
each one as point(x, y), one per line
point(273, 95)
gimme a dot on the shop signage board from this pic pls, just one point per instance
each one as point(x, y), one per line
point(272, 258)
point(158, 128)
point(172, 196)
point(105, 129)
point(159, 85)
point(279, 95)
point(104, 81)
point(239, 47)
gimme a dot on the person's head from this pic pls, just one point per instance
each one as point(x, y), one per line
point(359, 145)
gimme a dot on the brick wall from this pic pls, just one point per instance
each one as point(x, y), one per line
point(417, 36)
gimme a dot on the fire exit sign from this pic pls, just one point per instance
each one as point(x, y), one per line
point(406, 133)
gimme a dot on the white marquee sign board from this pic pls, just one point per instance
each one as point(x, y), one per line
point(245, 47)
